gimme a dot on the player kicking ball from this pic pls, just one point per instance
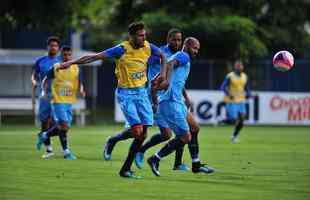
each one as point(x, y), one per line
point(65, 84)
point(172, 109)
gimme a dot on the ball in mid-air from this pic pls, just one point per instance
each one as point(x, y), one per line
point(283, 61)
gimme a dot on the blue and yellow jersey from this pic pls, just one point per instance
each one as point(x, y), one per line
point(235, 86)
point(131, 63)
point(64, 84)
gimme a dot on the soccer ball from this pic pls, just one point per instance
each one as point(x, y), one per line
point(283, 61)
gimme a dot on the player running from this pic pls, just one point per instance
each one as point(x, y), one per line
point(172, 110)
point(174, 44)
point(236, 89)
point(40, 69)
point(64, 85)
point(131, 65)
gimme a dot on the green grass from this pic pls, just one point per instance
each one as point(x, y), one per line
point(268, 163)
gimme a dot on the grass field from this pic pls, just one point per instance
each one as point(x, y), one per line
point(268, 163)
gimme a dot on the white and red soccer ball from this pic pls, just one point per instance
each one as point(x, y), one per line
point(283, 61)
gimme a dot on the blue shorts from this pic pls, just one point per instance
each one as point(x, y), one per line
point(135, 104)
point(62, 113)
point(233, 110)
point(44, 109)
point(172, 114)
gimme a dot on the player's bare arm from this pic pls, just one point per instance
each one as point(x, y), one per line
point(84, 60)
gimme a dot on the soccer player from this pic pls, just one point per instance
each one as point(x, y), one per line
point(171, 109)
point(236, 89)
point(131, 65)
point(64, 86)
point(174, 44)
point(40, 69)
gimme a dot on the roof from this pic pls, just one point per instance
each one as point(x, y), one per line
point(29, 56)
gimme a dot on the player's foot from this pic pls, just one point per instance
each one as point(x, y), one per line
point(154, 164)
point(107, 149)
point(181, 167)
point(234, 139)
point(139, 160)
point(47, 155)
point(197, 167)
point(128, 174)
point(69, 156)
point(40, 140)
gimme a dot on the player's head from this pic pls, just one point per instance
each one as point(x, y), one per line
point(136, 33)
point(174, 39)
point(191, 46)
point(53, 45)
point(66, 53)
point(238, 66)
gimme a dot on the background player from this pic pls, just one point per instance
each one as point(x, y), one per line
point(64, 87)
point(40, 69)
point(236, 89)
point(131, 65)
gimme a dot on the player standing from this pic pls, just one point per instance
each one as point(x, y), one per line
point(131, 65)
point(40, 69)
point(64, 86)
point(236, 89)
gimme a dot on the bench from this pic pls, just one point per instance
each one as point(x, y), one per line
point(23, 106)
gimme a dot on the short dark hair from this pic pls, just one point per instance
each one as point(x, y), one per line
point(66, 48)
point(173, 31)
point(53, 39)
point(134, 27)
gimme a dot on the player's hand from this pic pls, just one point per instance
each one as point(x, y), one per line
point(83, 93)
point(163, 85)
point(189, 106)
point(64, 65)
point(34, 83)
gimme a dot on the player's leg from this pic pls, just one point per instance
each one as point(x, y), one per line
point(193, 147)
point(138, 112)
point(164, 135)
point(129, 110)
point(241, 112)
point(112, 141)
point(46, 123)
point(63, 117)
point(175, 116)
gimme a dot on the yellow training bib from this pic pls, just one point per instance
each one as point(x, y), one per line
point(65, 85)
point(236, 88)
point(132, 65)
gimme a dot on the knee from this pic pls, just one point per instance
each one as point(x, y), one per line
point(195, 130)
point(63, 127)
point(166, 134)
point(186, 138)
point(138, 132)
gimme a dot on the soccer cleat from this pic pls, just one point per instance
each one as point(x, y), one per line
point(154, 164)
point(40, 140)
point(107, 149)
point(47, 155)
point(69, 156)
point(234, 139)
point(129, 174)
point(181, 167)
point(139, 160)
point(201, 168)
